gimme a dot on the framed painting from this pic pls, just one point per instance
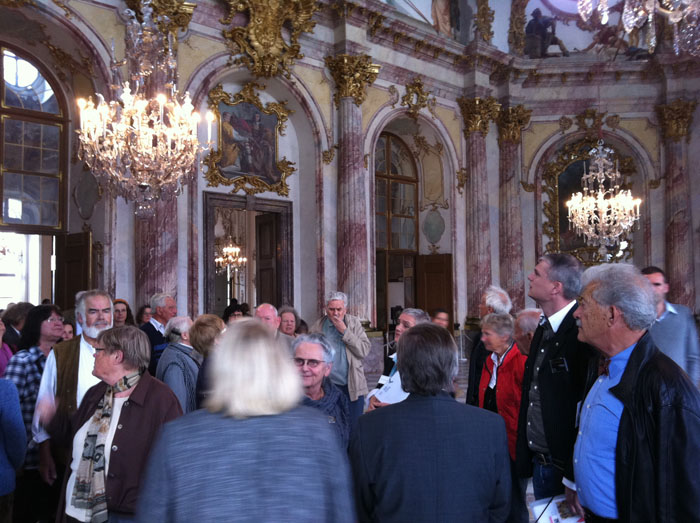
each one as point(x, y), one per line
point(248, 141)
point(561, 178)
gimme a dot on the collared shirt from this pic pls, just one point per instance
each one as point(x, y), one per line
point(497, 362)
point(24, 370)
point(158, 325)
point(47, 389)
point(392, 391)
point(558, 317)
point(339, 371)
point(594, 452)
point(668, 307)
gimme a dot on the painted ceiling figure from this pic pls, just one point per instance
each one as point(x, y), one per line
point(445, 14)
point(544, 28)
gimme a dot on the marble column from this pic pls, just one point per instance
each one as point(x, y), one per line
point(352, 74)
point(476, 113)
point(511, 122)
point(676, 119)
point(155, 253)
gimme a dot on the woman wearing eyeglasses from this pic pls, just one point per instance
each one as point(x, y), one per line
point(253, 453)
point(313, 356)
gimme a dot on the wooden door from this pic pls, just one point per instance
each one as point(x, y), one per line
point(266, 244)
point(73, 267)
point(434, 283)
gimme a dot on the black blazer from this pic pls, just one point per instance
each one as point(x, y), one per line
point(410, 462)
point(565, 374)
point(158, 343)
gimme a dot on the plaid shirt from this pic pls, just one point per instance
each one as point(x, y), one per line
point(24, 370)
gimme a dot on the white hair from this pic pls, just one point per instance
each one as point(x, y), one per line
point(497, 299)
point(337, 295)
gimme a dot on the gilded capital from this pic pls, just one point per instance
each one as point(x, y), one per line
point(511, 122)
point(675, 118)
point(476, 113)
point(352, 75)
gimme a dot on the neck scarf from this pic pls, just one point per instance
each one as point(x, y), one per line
point(89, 491)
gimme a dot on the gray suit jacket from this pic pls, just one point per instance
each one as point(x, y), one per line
point(677, 338)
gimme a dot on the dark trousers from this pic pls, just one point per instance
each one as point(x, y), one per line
point(34, 499)
point(518, 504)
point(546, 479)
point(356, 407)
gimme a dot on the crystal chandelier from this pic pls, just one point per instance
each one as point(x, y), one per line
point(602, 213)
point(683, 15)
point(228, 257)
point(144, 146)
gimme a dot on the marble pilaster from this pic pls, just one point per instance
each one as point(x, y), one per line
point(510, 226)
point(676, 118)
point(155, 253)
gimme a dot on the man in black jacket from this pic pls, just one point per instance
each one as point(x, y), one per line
point(638, 444)
point(556, 374)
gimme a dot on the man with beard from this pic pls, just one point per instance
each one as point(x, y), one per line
point(68, 374)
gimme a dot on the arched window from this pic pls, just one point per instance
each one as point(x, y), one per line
point(33, 143)
point(396, 225)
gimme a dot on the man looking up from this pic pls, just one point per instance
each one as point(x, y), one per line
point(163, 307)
point(638, 444)
point(674, 331)
point(348, 338)
point(555, 378)
point(68, 374)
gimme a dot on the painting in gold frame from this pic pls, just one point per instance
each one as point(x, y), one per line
point(561, 178)
point(247, 154)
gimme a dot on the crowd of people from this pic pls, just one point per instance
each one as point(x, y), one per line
point(258, 417)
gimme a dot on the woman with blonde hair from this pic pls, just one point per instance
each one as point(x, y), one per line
point(253, 452)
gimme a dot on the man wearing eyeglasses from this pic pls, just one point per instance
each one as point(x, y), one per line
point(68, 375)
point(313, 356)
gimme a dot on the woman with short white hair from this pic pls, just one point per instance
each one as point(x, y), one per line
point(253, 453)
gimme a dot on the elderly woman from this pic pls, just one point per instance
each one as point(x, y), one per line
point(313, 356)
point(179, 365)
point(500, 389)
point(122, 313)
point(114, 428)
point(289, 321)
point(253, 454)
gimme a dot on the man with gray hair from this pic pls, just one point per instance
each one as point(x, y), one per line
point(163, 307)
point(638, 443)
point(313, 356)
point(493, 300)
point(347, 336)
point(526, 323)
point(390, 380)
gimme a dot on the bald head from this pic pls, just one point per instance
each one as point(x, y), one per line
point(526, 322)
point(267, 314)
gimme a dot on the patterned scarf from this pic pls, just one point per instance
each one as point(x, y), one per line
point(89, 491)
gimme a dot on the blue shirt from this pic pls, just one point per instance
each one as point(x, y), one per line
point(594, 452)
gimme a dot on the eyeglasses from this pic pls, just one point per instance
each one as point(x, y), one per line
point(312, 364)
point(54, 320)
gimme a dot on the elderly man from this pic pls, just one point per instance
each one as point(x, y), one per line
point(313, 356)
point(351, 345)
point(410, 461)
point(555, 379)
point(268, 314)
point(526, 323)
point(638, 443)
point(493, 300)
point(68, 374)
point(674, 331)
point(163, 307)
point(390, 381)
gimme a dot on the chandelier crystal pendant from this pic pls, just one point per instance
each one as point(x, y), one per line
point(142, 145)
point(228, 256)
point(683, 15)
point(603, 213)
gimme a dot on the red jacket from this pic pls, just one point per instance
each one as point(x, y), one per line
point(508, 391)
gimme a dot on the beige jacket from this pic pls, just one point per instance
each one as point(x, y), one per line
point(356, 347)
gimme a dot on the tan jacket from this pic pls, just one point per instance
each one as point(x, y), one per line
point(356, 347)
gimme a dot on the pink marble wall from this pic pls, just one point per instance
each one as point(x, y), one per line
point(478, 251)
point(680, 268)
point(155, 253)
point(510, 225)
point(353, 229)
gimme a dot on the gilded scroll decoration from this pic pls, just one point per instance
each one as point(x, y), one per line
point(352, 75)
point(462, 178)
point(329, 154)
point(565, 124)
point(247, 154)
point(675, 119)
point(511, 121)
point(67, 61)
point(264, 49)
point(560, 178)
point(477, 112)
point(171, 15)
point(484, 20)
point(590, 121)
point(516, 29)
point(416, 98)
